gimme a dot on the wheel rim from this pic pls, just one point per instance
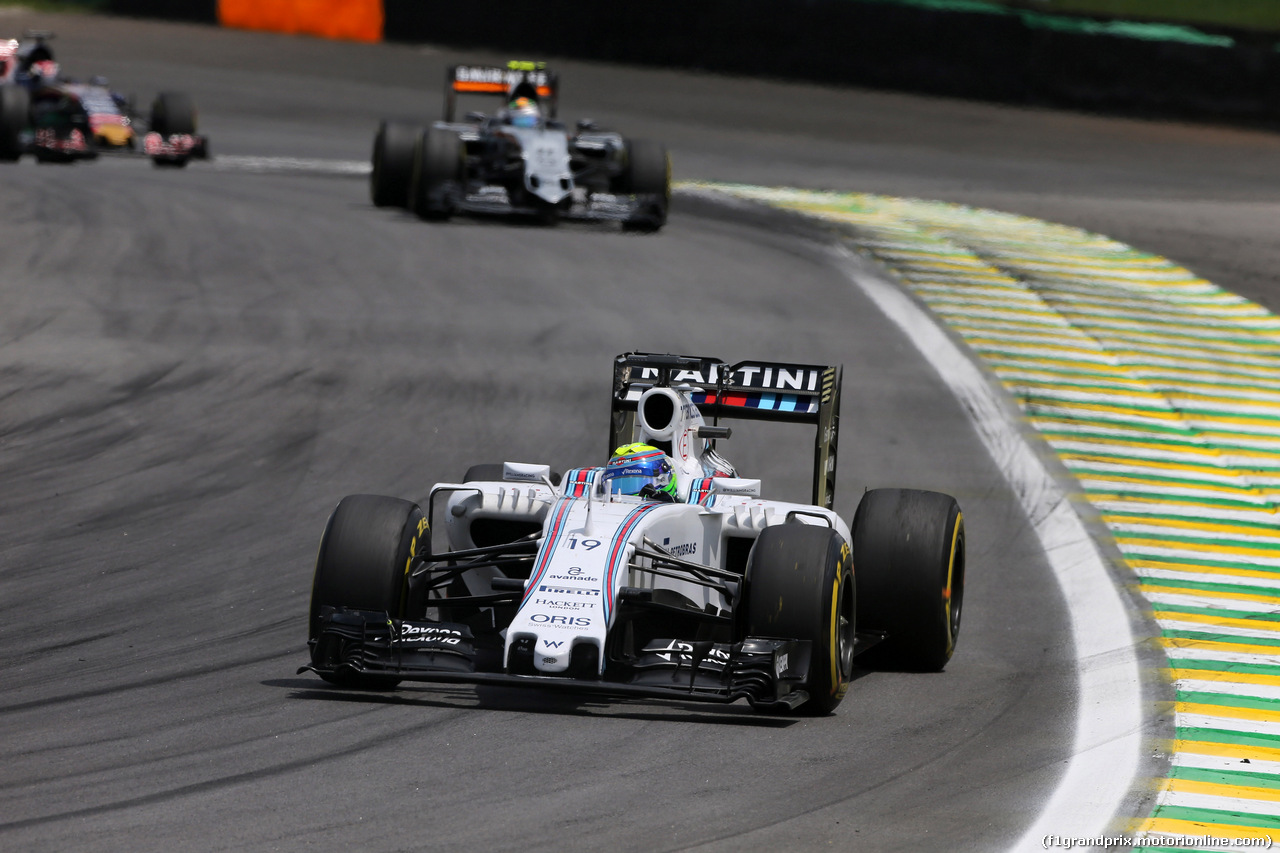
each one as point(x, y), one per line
point(845, 631)
point(955, 586)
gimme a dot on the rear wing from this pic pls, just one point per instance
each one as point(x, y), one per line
point(516, 79)
point(747, 390)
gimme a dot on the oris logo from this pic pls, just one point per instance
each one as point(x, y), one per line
point(561, 621)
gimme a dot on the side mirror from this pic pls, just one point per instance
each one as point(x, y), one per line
point(474, 116)
point(587, 124)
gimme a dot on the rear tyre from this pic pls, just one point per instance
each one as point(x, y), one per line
point(392, 163)
point(647, 176)
point(908, 547)
point(173, 113)
point(799, 585)
point(437, 174)
point(365, 554)
point(15, 114)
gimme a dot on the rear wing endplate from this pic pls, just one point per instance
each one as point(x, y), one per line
point(516, 79)
point(747, 390)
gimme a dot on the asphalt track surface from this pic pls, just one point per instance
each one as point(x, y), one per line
point(196, 365)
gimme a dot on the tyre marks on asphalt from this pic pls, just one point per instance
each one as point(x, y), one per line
point(1160, 392)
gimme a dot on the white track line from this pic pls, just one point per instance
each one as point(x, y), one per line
point(1108, 736)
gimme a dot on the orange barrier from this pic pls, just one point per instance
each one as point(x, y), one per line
point(352, 20)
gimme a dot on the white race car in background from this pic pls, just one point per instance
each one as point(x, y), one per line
point(484, 163)
point(719, 596)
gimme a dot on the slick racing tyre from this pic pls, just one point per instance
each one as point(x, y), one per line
point(799, 586)
point(392, 163)
point(173, 113)
point(437, 173)
point(365, 554)
point(908, 550)
point(647, 177)
point(15, 112)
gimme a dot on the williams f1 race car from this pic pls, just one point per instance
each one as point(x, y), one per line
point(58, 120)
point(712, 593)
point(518, 159)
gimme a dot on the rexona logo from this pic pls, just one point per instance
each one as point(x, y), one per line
point(567, 590)
point(561, 621)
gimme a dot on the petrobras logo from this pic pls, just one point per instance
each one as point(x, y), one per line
point(567, 590)
point(687, 549)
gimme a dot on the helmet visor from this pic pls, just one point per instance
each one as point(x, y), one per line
point(629, 480)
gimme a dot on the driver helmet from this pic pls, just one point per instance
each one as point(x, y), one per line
point(635, 466)
point(45, 69)
point(525, 112)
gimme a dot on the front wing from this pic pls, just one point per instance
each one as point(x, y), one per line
point(767, 672)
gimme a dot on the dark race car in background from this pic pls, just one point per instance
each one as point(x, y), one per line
point(485, 163)
point(59, 120)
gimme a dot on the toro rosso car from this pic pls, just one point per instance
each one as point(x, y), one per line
point(58, 120)
point(519, 159)
point(714, 594)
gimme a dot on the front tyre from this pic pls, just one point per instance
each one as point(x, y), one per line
point(799, 586)
point(909, 547)
point(392, 163)
point(173, 113)
point(438, 165)
point(367, 549)
point(647, 177)
point(15, 115)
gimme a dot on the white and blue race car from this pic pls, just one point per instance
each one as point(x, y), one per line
point(716, 596)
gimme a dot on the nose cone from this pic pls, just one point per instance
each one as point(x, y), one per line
point(113, 135)
point(551, 656)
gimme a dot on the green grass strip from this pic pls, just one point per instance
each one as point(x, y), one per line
point(1079, 467)
point(1122, 516)
point(1130, 493)
point(1241, 778)
point(1191, 562)
point(1230, 737)
point(1221, 666)
point(1150, 538)
point(1213, 816)
point(1225, 700)
point(1193, 609)
point(1178, 583)
point(1224, 638)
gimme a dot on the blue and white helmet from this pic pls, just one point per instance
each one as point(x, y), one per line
point(635, 466)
